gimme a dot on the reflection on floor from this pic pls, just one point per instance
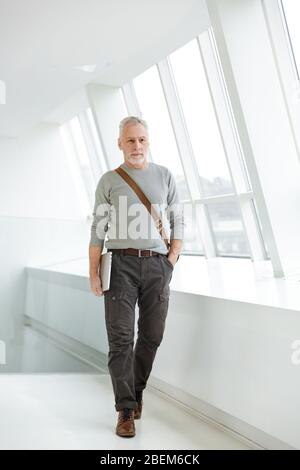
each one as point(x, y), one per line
point(76, 411)
point(34, 352)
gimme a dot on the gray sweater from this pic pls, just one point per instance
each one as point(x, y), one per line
point(120, 216)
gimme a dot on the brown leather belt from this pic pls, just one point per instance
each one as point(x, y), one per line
point(135, 252)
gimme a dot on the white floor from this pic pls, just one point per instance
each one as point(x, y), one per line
point(76, 411)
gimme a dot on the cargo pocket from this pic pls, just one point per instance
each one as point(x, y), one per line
point(163, 298)
point(119, 313)
point(113, 297)
point(112, 305)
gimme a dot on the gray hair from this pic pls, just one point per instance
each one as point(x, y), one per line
point(132, 120)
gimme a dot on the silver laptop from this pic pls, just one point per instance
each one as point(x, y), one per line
point(105, 269)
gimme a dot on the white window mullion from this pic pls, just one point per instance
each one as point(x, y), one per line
point(254, 236)
point(220, 198)
point(97, 130)
point(91, 150)
point(97, 141)
point(285, 63)
point(131, 100)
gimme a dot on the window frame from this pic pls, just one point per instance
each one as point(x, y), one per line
point(287, 69)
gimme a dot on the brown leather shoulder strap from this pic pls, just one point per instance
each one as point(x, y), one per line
point(146, 202)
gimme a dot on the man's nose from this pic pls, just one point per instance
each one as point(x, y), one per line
point(137, 144)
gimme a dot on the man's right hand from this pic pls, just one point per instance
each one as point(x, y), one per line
point(96, 286)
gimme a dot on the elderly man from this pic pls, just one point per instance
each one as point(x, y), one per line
point(142, 266)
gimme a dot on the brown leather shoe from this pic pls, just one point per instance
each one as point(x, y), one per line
point(138, 410)
point(125, 426)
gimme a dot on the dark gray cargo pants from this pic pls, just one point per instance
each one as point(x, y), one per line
point(146, 280)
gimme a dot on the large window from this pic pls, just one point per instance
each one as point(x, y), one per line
point(192, 132)
point(194, 96)
point(200, 118)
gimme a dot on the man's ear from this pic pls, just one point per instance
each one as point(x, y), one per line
point(119, 143)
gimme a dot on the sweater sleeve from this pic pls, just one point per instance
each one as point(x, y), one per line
point(101, 213)
point(174, 210)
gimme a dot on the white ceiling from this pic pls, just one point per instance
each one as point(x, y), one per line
point(42, 42)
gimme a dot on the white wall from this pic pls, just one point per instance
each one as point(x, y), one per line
point(35, 179)
point(40, 219)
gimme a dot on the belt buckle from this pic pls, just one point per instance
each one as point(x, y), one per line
point(143, 256)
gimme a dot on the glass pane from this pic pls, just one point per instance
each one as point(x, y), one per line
point(79, 142)
point(154, 110)
point(198, 110)
point(292, 12)
point(256, 215)
point(228, 229)
point(83, 158)
point(83, 196)
point(192, 238)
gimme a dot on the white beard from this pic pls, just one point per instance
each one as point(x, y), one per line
point(141, 159)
